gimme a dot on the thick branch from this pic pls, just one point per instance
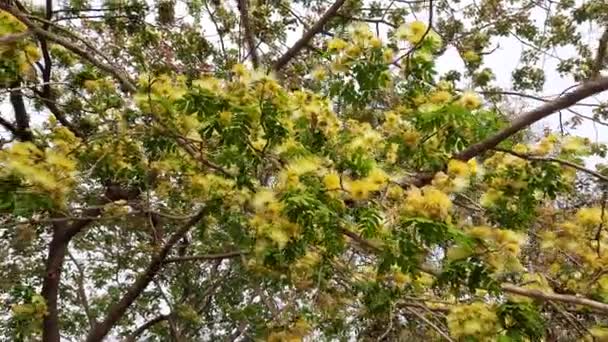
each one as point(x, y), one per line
point(244, 9)
point(118, 309)
point(50, 285)
point(308, 35)
point(63, 232)
point(585, 90)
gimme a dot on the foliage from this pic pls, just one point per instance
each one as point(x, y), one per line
point(172, 186)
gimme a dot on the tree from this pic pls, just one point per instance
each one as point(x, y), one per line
point(165, 183)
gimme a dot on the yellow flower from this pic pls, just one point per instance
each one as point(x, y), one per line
point(490, 197)
point(240, 70)
point(319, 74)
point(377, 177)
point(458, 168)
point(336, 44)
point(589, 216)
point(440, 97)
point(279, 237)
point(360, 189)
point(388, 55)
point(471, 56)
point(470, 100)
point(32, 53)
point(375, 42)
point(331, 181)
point(416, 31)
point(354, 51)
point(262, 199)
point(225, 117)
point(572, 144)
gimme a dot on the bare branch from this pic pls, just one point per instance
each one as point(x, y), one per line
point(308, 35)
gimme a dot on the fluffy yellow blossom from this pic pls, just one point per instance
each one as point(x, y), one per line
point(331, 181)
point(354, 51)
point(472, 320)
point(336, 44)
point(412, 32)
point(428, 202)
point(470, 100)
point(361, 32)
point(572, 144)
point(388, 56)
point(262, 199)
point(377, 177)
point(241, 71)
point(589, 216)
point(391, 153)
point(440, 97)
point(225, 117)
point(279, 237)
point(490, 197)
point(471, 56)
point(319, 74)
point(360, 189)
point(520, 148)
point(474, 167)
point(374, 42)
point(458, 168)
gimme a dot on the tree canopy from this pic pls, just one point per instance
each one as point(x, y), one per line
point(300, 170)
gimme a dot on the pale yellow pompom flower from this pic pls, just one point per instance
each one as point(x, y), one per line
point(470, 100)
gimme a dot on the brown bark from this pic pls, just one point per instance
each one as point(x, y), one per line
point(50, 286)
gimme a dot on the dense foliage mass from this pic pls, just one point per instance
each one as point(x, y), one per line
point(194, 171)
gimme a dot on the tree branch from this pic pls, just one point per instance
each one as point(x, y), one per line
point(600, 56)
point(506, 287)
point(217, 256)
point(22, 119)
point(118, 309)
point(583, 91)
point(63, 232)
point(149, 324)
point(243, 6)
point(555, 160)
point(308, 35)
point(126, 83)
point(81, 291)
point(11, 38)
